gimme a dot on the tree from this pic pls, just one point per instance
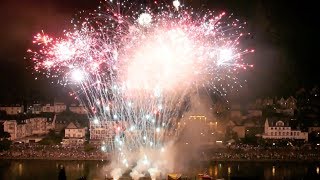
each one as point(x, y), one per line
point(4, 135)
point(5, 144)
point(4, 140)
point(51, 139)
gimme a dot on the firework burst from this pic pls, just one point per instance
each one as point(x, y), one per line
point(135, 65)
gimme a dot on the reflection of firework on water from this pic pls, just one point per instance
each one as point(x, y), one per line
point(133, 68)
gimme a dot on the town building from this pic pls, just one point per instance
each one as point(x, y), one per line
point(56, 107)
point(36, 108)
point(281, 130)
point(59, 107)
point(74, 135)
point(10, 126)
point(38, 126)
point(78, 109)
point(48, 108)
point(13, 109)
point(103, 130)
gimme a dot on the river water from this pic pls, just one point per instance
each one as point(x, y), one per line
point(49, 169)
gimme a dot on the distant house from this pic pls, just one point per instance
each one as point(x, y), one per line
point(19, 129)
point(56, 107)
point(41, 125)
point(13, 109)
point(59, 107)
point(10, 126)
point(281, 130)
point(78, 109)
point(74, 135)
point(48, 108)
point(36, 108)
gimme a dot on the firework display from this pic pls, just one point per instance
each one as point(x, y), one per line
point(134, 66)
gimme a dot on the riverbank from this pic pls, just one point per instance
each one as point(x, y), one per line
point(37, 152)
point(212, 160)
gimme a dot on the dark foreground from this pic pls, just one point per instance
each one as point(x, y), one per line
point(49, 170)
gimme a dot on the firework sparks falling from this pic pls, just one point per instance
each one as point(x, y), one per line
point(134, 70)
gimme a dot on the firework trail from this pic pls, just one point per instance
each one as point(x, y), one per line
point(133, 66)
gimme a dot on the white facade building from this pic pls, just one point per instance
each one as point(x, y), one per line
point(74, 135)
point(281, 131)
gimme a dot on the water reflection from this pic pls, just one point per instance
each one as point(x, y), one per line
point(37, 169)
point(229, 171)
point(20, 169)
point(273, 170)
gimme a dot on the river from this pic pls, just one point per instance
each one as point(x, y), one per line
point(94, 170)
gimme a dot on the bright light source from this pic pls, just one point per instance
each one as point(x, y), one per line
point(144, 19)
point(77, 75)
point(176, 4)
point(96, 121)
point(162, 149)
point(224, 56)
point(103, 148)
point(158, 129)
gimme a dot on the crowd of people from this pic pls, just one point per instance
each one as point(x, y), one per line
point(36, 151)
point(57, 152)
point(247, 152)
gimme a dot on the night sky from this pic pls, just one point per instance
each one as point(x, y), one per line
point(285, 36)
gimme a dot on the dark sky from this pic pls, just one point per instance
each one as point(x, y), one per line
point(285, 35)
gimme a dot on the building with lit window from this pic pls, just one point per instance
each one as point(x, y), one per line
point(281, 130)
point(74, 135)
point(19, 129)
point(78, 109)
point(13, 110)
